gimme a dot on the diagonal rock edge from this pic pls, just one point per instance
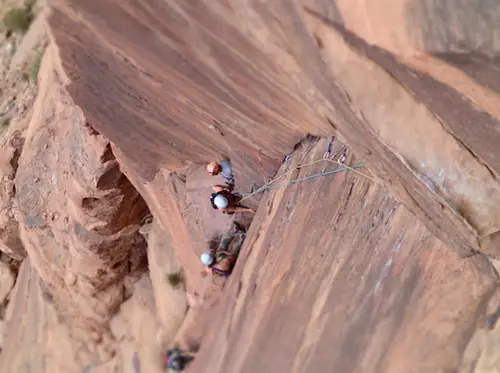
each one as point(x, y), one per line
point(262, 302)
point(309, 92)
point(410, 194)
point(79, 216)
point(463, 185)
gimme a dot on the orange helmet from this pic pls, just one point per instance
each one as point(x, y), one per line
point(213, 168)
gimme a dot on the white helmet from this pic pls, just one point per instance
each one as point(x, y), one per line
point(206, 258)
point(220, 201)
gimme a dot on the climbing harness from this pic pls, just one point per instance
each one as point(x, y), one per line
point(341, 160)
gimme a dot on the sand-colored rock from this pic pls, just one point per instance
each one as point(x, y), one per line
point(348, 280)
point(34, 40)
point(37, 338)
point(209, 92)
point(280, 42)
point(139, 331)
point(6, 281)
point(12, 146)
point(462, 183)
point(79, 216)
point(481, 354)
point(171, 302)
point(135, 98)
point(408, 27)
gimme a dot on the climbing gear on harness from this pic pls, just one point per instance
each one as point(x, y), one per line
point(220, 201)
point(213, 168)
point(343, 155)
point(328, 156)
point(328, 151)
point(219, 272)
point(207, 259)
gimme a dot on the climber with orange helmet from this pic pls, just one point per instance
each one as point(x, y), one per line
point(223, 168)
point(225, 200)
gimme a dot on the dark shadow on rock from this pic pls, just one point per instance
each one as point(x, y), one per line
point(327, 8)
point(213, 243)
point(456, 26)
point(483, 69)
point(473, 128)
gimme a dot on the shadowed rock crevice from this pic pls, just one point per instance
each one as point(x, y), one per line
point(11, 243)
point(80, 216)
point(483, 69)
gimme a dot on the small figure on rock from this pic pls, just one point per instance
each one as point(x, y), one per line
point(223, 168)
point(225, 200)
point(221, 260)
point(176, 360)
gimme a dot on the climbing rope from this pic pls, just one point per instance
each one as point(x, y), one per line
point(294, 181)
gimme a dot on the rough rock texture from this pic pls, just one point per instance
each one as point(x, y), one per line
point(135, 96)
point(344, 277)
point(37, 339)
point(79, 215)
point(458, 115)
point(6, 281)
point(138, 329)
point(210, 79)
point(197, 79)
point(171, 302)
point(13, 141)
point(17, 94)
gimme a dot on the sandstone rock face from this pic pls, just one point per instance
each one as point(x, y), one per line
point(36, 337)
point(170, 299)
point(6, 281)
point(447, 143)
point(204, 86)
point(79, 215)
point(10, 242)
point(344, 277)
point(139, 331)
point(381, 272)
point(275, 73)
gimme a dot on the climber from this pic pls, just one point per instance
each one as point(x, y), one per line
point(224, 199)
point(176, 360)
point(221, 261)
point(223, 168)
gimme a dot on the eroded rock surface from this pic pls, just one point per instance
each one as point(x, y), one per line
point(251, 81)
point(136, 96)
point(6, 281)
point(37, 338)
point(170, 299)
point(139, 331)
point(13, 142)
point(79, 215)
point(338, 273)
